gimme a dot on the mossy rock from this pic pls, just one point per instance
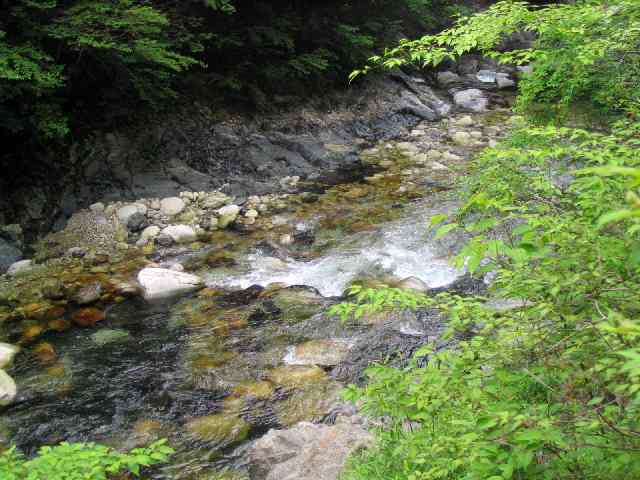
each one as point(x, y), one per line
point(110, 335)
point(221, 430)
point(311, 403)
point(261, 390)
point(297, 304)
point(296, 376)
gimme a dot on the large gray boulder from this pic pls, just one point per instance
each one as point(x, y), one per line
point(163, 283)
point(306, 451)
point(472, 99)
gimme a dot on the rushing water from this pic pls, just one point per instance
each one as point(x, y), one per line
point(399, 249)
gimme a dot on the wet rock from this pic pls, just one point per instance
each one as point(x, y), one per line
point(472, 99)
point(8, 389)
point(110, 335)
point(88, 317)
point(297, 303)
point(180, 233)
point(20, 267)
point(325, 353)
point(162, 283)
point(127, 289)
point(306, 451)
point(227, 215)
point(296, 376)
point(9, 254)
point(465, 121)
point(311, 403)
point(171, 206)
point(7, 353)
point(222, 430)
point(261, 390)
point(88, 294)
point(53, 289)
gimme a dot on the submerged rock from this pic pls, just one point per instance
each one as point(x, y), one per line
point(306, 451)
point(8, 389)
point(162, 283)
point(223, 430)
point(325, 353)
point(88, 294)
point(109, 335)
point(88, 317)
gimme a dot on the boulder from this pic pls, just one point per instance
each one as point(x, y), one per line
point(181, 233)
point(227, 215)
point(136, 222)
point(306, 451)
point(504, 81)
point(162, 283)
point(125, 213)
point(7, 352)
point(324, 353)
point(8, 389)
point(8, 255)
point(20, 267)
point(171, 206)
point(471, 99)
point(447, 78)
point(215, 200)
point(149, 233)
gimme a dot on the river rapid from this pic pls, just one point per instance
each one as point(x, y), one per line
point(254, 349)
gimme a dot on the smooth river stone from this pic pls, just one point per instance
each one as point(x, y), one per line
point(8, 389)
point(7, 352)
point(163, 283)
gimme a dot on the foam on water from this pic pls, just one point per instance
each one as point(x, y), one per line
point(402, 248)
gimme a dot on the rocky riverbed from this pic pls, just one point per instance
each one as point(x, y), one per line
point(200, 315)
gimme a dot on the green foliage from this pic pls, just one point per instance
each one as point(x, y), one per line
point(80, 461)
point(550, 390)
point(585, 52)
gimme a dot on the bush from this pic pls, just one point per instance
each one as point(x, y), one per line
point(80, 461)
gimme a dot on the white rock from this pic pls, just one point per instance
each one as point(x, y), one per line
point(124, 213)
point(7, 352)
point(434, 154)
point(251, 213)
point(163, 283)
point(181, 233)
point(20, 267)
point(8, 389)
point(171, 206)
point(149, 233)
point(461, 138)
point(465, 121)
point(471, 99)
point(227, 215)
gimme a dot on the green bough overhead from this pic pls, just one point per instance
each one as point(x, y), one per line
point(552, 389)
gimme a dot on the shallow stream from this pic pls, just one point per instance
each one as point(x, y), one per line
point(255, 349)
